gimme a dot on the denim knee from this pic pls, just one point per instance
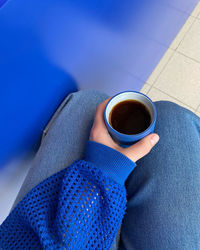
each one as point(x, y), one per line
point(88, 93)
point(171, 111)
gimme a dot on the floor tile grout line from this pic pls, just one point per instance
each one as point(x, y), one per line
point(185, 32)
point(163, 66)
point(149, 90)
point(198, 14)
point(169, 59)
point(174, 50)
point(197, 108)
point(181, 11)
point(175, 98)
point(196, 17)
point(181, 53)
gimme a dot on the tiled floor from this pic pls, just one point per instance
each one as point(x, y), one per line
point(177, 76)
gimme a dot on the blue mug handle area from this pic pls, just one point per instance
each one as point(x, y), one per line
point(127, 140)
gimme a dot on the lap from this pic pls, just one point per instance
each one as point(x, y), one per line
point(64, 138)
point(162, 191)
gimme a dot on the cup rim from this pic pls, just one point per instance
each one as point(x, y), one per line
point(132, 135)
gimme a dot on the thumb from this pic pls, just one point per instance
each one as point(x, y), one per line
point(141, 148)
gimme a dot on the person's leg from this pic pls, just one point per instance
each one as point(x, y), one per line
point(163, 209)
point(64, 138)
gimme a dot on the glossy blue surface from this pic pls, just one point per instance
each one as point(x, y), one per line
point(2, 2)
point(31, 85)
point(47, 46)
point(112, 45)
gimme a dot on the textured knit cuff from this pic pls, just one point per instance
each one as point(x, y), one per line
point(114, 164)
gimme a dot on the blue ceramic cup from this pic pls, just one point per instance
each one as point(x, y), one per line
point(125, 139)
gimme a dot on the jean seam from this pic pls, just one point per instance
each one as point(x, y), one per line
point(56, 114)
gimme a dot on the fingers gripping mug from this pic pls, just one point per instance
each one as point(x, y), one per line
point(130, 116)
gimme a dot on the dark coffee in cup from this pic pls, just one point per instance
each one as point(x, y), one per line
point(130, 117)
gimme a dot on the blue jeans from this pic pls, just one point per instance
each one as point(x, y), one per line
point(163, 209)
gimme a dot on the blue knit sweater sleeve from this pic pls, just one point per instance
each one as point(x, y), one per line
point(80, 207)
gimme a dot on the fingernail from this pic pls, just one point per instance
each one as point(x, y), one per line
point(154, 139)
